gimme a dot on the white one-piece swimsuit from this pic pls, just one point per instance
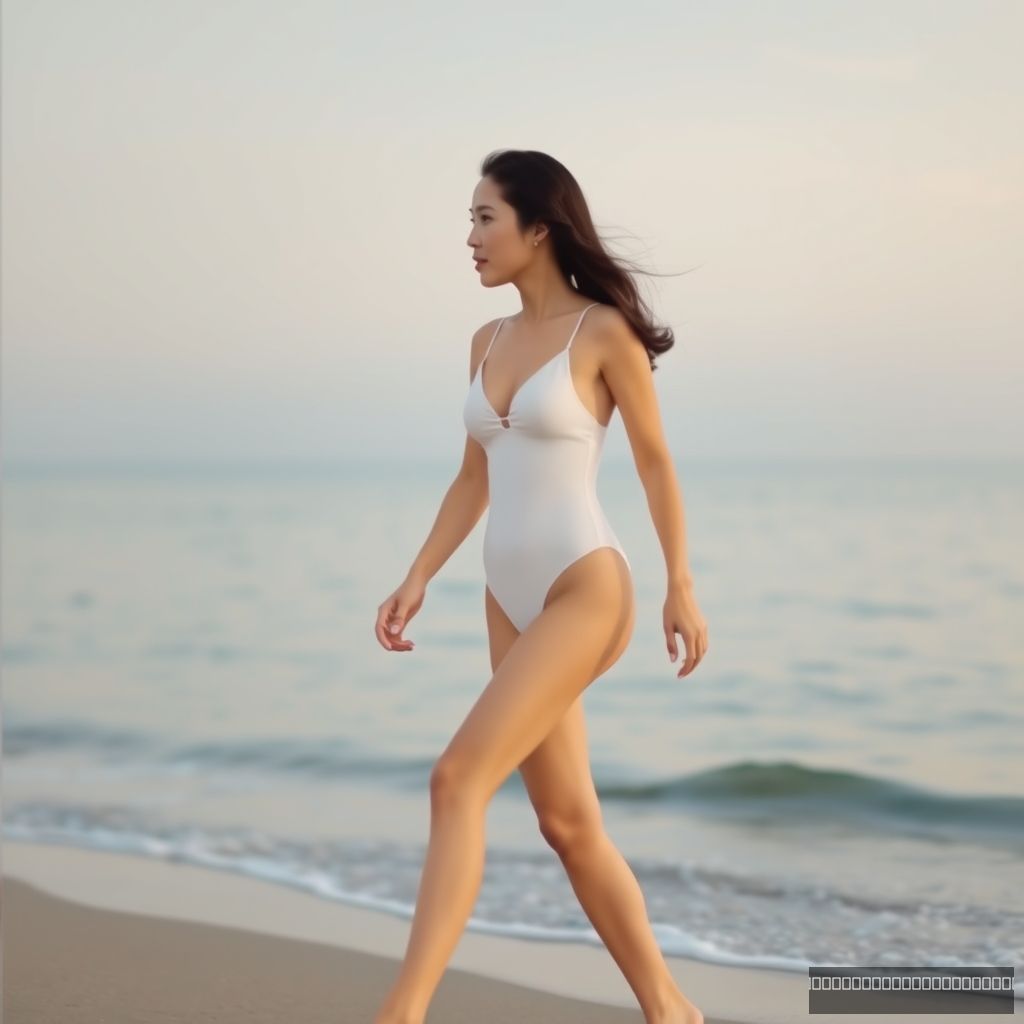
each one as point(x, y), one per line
point(542, 463)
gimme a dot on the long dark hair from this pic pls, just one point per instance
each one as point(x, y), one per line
point(541, 190)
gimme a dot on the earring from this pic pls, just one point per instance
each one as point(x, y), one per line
point(535, 242)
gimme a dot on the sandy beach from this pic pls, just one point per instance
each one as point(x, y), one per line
point(70, 963)
point(101, 936)
point(92, 936)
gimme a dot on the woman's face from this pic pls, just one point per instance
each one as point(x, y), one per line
point(495, 238)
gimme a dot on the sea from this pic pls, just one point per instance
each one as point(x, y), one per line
point(190, 674)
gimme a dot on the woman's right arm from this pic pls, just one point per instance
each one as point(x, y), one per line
point(461, 508)
point(464, 503)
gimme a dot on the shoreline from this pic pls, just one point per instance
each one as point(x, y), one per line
point(69, 912)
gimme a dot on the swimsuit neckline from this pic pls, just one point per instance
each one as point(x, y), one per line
point(479, 377)
point(512, 401)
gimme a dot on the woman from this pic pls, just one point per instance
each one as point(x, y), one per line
point(559, 597)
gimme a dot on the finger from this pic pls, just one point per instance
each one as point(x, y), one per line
point(379, 630)
point(699, 655)
point(396, 621)
point(384, 613)
point(670, 643)
point(690, 650)
point(678, 646)
point(400, 643)
point(395, 626)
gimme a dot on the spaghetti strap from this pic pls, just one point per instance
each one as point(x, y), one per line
point(578, 322)
point(493, 336)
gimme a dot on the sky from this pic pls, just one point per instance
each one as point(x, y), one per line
point(236, 232)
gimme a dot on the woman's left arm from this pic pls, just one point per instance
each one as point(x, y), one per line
point(627, 371)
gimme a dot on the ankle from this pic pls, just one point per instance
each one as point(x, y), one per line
point(390, 1013)
point(390, 1017)
point(671, 1007)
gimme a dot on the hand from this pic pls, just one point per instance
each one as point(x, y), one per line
point(395, 612)
point(681, 615)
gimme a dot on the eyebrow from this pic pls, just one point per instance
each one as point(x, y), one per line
point(482, 207)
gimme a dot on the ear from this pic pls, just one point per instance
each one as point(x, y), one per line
point(540, 232)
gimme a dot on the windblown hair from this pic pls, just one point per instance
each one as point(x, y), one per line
point(541, 190)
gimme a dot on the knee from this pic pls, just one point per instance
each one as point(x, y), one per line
point(570, 834)
point(451, 780)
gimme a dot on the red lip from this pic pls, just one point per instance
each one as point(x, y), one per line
point(480, 261)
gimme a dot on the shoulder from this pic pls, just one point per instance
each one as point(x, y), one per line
point(615, 336)
point(481, 339)
point(609, 322)
point(482, 335)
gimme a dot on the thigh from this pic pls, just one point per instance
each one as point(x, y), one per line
point(558, 778)
point(557, 774)
point(581, 631)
